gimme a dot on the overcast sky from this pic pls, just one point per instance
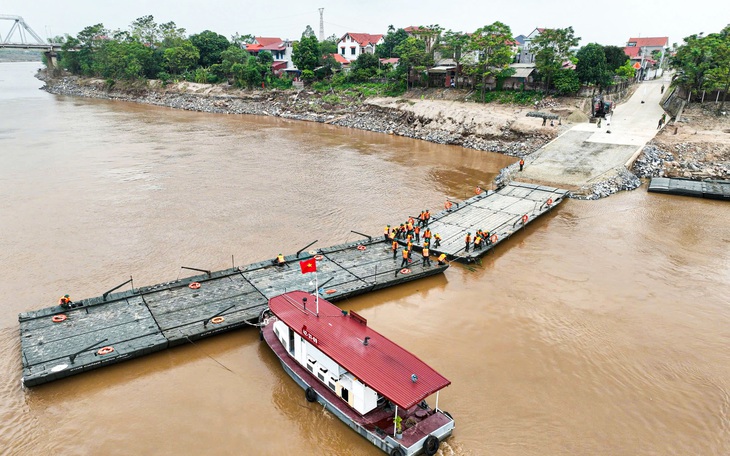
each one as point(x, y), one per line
point(604, 22)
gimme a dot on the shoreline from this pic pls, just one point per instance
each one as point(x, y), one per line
point(440, 119)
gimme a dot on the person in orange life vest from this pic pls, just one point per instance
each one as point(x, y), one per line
point(427, 234)
point(395, 248)
point(522, 163)
point(426, 259)
point(421, 218)
point(392, 234)
point(386, 232)
point(447, 205)
point(409, 245)
point(406, 257)
point(417, 232)
point(477, 242)
point(468, 241)
point(280, 261)
point(442, 259)
point(402, 231)
point(64, 301)
point(437, 240)
point(427, 217)
point(411, 221)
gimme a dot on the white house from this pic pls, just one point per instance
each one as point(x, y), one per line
point(525, 55)
point(351, 45)
point(280, 49)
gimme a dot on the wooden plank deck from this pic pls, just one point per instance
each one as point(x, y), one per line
point(718, 189)
point(499, 212)
point(141, 321)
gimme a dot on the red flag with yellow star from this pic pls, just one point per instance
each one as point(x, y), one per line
point(309, 265)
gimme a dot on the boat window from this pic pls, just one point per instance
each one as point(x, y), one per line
point(321, 377)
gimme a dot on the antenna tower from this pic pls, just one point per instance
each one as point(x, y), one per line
point(321, 24)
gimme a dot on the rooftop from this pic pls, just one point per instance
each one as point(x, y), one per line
point(382, 364)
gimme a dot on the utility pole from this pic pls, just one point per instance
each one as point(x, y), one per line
point(321, 24)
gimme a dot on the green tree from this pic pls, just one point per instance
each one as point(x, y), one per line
point(626, 71)
point(171, 35)
point(210, 45)
point(181, 58)
point(390, 42)
point(328, 46)
point(592, 67)
point(692, 61)
point(492, 43)
point(234, 55)
point(453, 44)
point(308, 32)
point(145, 30)
point(551, 49)
point(566, 82)
point(365, 67)
point(413, 56)
point(306, 54)
point(615, 57)
point(718, 77)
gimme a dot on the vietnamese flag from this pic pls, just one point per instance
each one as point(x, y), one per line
point(309, 265)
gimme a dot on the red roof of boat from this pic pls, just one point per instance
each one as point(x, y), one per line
point(382, 365)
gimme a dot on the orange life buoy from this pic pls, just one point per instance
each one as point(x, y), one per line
point(59, 318)
point(194, 285)
point(549, 201)
point(405, 271)
point(524, 219)
point(318, 257)
point(105, 350)
point(478, 190)
point(217, 320)
point(361, 247)
point(494, 238)
point(330, 291)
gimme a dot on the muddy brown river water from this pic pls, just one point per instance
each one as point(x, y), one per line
point(601, 329)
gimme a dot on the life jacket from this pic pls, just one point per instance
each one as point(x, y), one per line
point(409, 245)
point(395, 245)
point(477, 240)
point(411, 221)
point(468, 239)
point(280, 259)
point(63, 300)
point(392, 235)
point(405, 254)
point(427, 215)
point(417, 229)
point(522, 162)
point(386, 230)
point(427, 234)
point(447, 205)
point(442, 258)
point(425, 252)
point(437, 236)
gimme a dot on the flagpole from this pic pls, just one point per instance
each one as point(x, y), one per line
point(316, 288)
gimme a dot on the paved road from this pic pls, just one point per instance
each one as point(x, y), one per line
point(585, 152)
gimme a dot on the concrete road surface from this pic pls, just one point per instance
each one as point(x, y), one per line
point(585, 152)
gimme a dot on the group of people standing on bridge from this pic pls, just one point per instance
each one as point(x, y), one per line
point(481, 238)
point(410, 230)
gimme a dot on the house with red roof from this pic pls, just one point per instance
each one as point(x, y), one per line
point(351, 45)
point(640, 51)
point(280, 49)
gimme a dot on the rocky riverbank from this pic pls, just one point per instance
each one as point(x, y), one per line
point(507, 136)
point(696, 146)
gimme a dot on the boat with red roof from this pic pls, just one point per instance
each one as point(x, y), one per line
point(368, 381)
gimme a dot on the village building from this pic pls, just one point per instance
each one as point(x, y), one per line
point(351, 45)
point(280, 49)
